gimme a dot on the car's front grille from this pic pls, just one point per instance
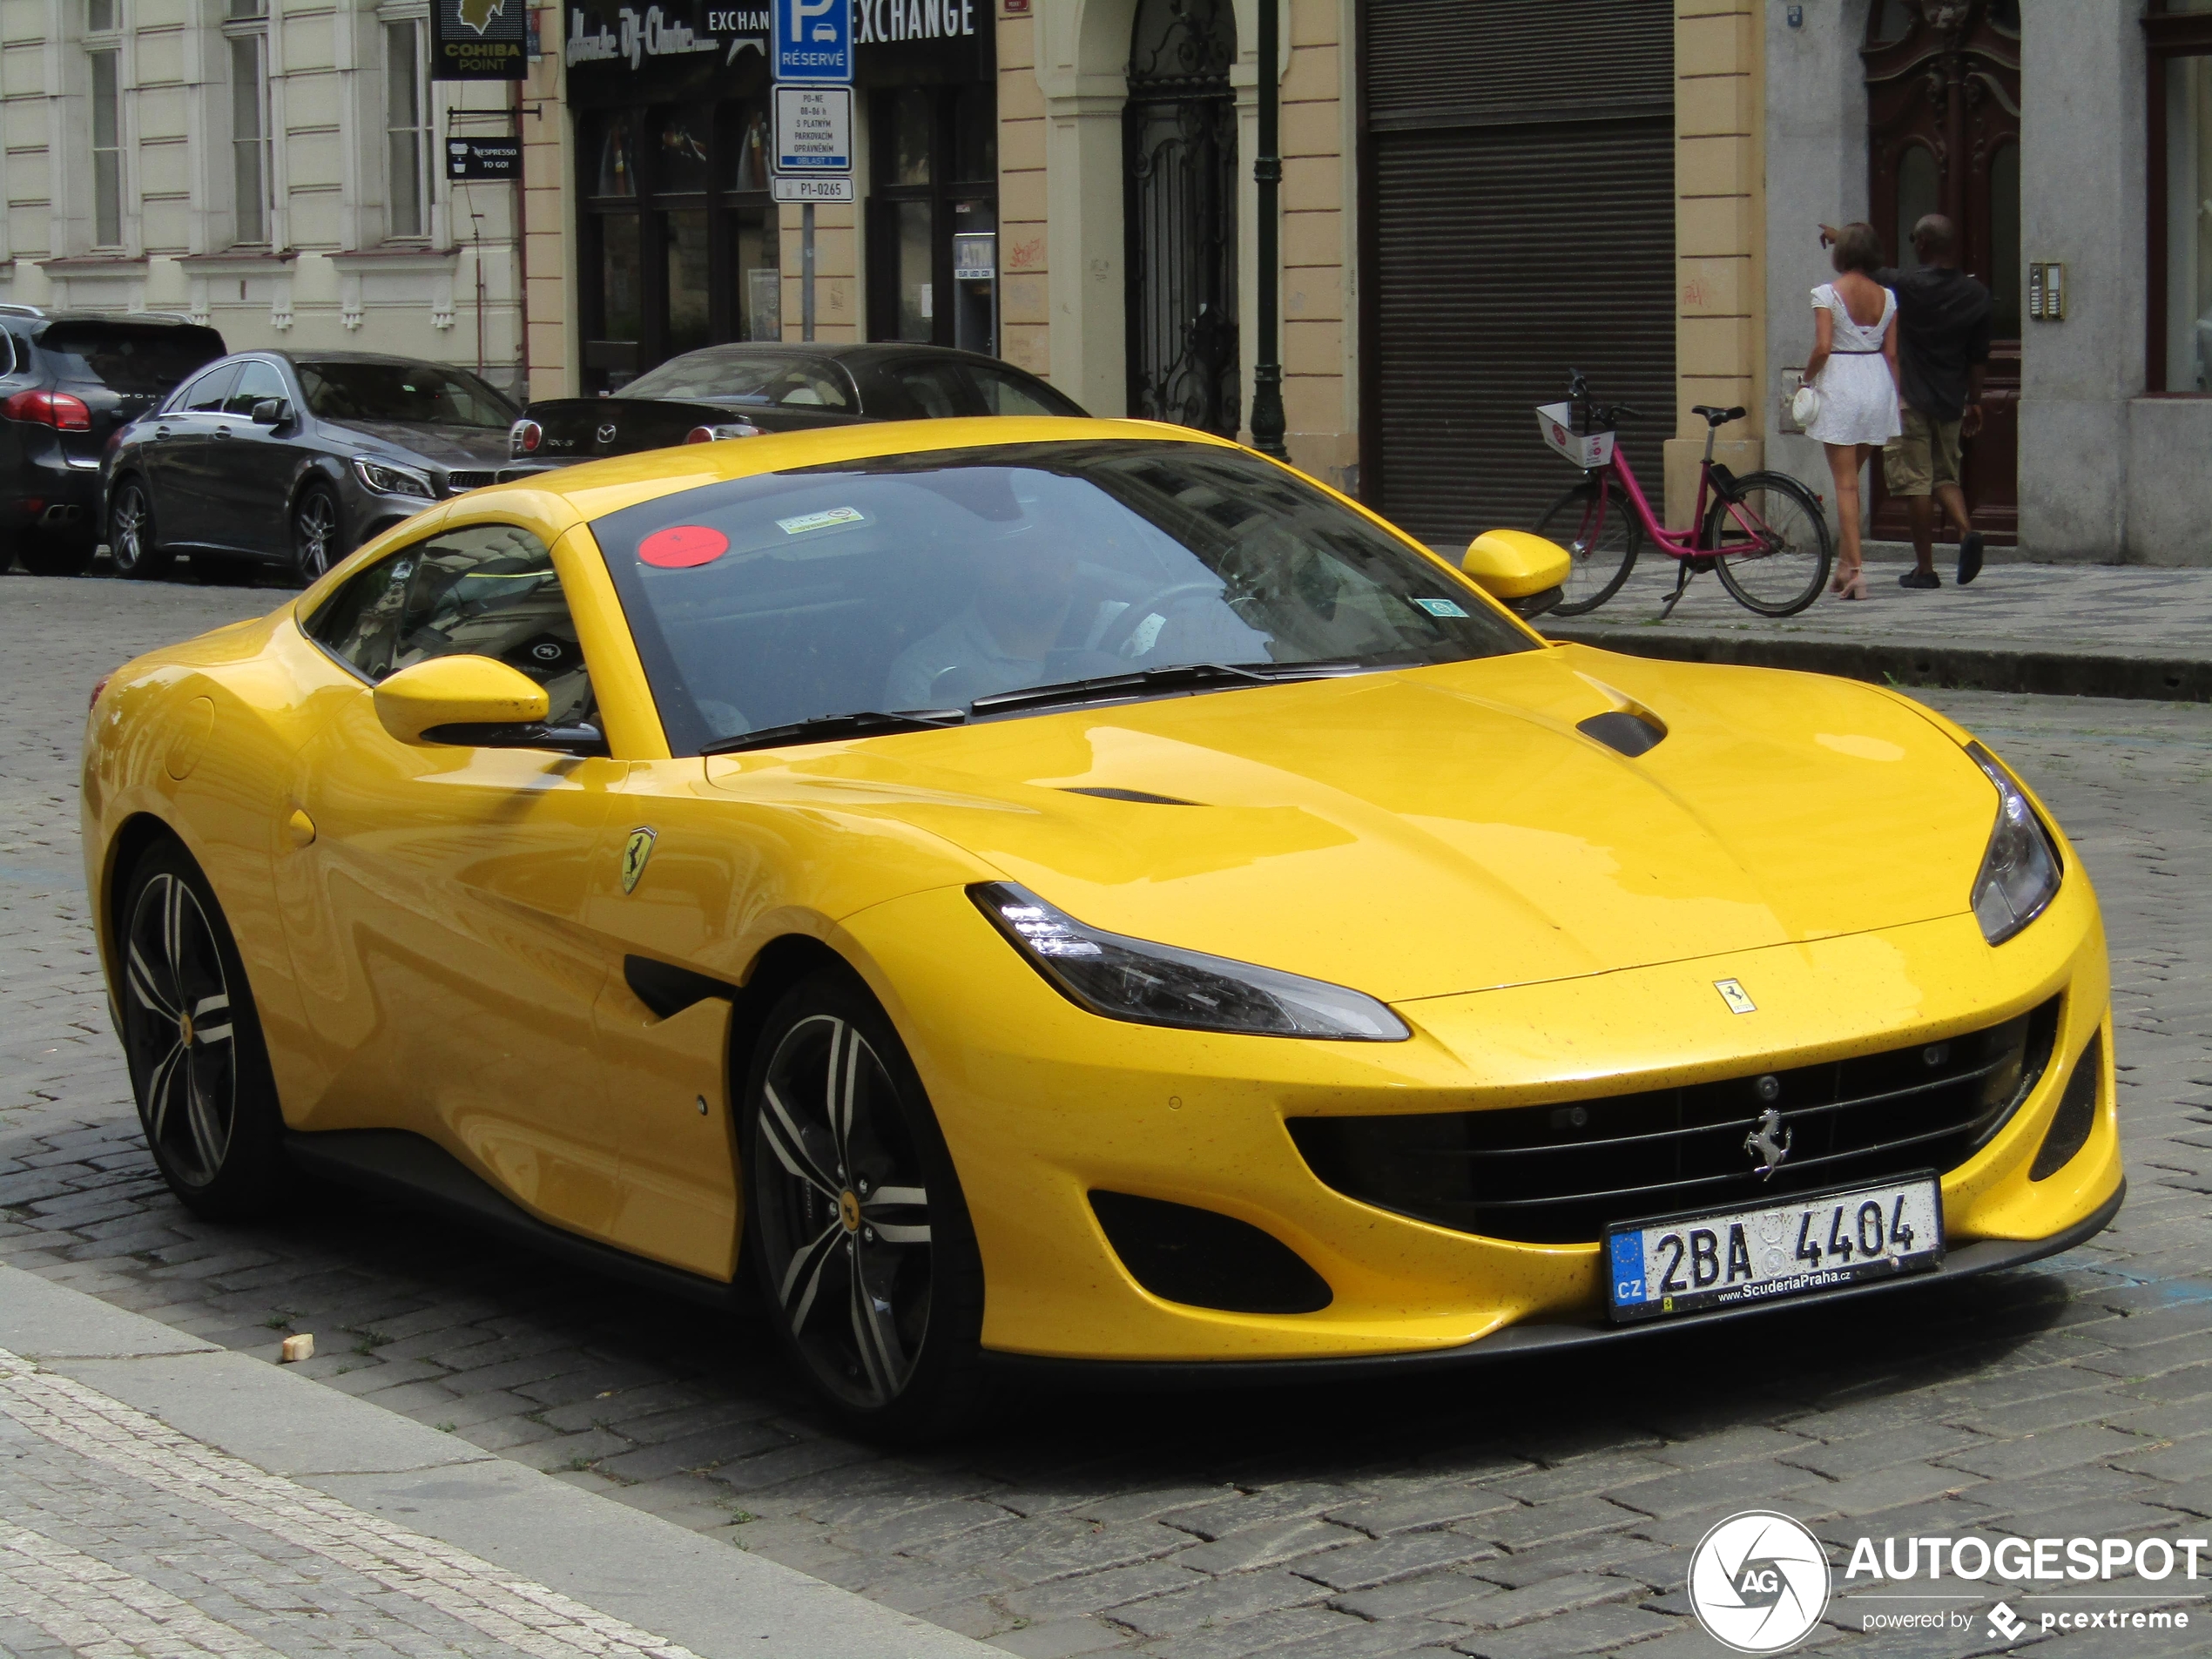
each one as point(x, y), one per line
point(457, 482)
point(1559, 1173)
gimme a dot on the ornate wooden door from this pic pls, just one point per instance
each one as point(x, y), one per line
point(1943, 85)
point(1181, 134)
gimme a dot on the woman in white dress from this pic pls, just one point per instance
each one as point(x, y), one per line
point(1853, 366)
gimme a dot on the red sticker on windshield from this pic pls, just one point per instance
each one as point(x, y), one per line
point(682, 546)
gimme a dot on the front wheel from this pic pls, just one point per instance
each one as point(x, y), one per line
point(317, 535)
point(132, 542)
point(1595, 524)
point(1782, 539)
point(207, 1101)
point(854, 1219)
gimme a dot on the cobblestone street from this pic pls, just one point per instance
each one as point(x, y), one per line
point(1527, 1509)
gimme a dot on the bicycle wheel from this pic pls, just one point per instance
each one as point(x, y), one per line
point(1785, 518)
point(1595, 524)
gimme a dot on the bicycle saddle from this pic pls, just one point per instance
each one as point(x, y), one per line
point(1717, 418)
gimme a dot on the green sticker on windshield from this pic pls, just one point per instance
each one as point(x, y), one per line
point(821, 521)
point(1441, 607)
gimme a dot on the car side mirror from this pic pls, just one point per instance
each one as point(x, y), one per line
point(475, 691)
point(273, 411)
point(1524, 572)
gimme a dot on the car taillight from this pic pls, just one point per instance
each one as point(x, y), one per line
point(699, 434)
point(523, 437)
point(715, 433)
point(56, 410)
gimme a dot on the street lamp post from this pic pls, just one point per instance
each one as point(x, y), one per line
point(1269, 423)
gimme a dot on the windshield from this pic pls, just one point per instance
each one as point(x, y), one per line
point(772, 381)
point(146, 358)
point(928, 581)
point(422, 394)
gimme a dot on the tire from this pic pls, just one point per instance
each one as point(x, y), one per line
point(45, 553)
point(859, 1234)
point(1604, 553)
point(200, 1070)
point(1783, 581)
point(132, 542)
point(317, 534)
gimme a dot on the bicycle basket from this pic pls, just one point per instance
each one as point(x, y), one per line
point(1589, 452)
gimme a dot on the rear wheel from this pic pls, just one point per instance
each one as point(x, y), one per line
point(206, 1099)
point(132, 542)
point(47, 553)
point(1785, 518)
point(854, 1219)
point(318, 534)
point(1599, 530)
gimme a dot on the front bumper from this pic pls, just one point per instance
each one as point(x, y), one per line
point(1042, 1104)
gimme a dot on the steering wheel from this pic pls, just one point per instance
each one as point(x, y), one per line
point(1124, 628)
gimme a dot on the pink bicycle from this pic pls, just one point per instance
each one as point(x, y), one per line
point(1763, 533)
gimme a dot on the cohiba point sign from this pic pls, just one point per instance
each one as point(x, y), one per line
point(479, 40)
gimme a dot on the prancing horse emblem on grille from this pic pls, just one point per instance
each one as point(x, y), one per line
point(635, 852)
point(1769, 1142)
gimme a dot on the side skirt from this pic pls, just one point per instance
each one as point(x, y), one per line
point(392, 1164)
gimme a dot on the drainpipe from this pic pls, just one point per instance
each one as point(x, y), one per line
point(1269, 423)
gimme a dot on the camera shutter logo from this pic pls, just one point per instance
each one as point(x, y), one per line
point(1759, 1582)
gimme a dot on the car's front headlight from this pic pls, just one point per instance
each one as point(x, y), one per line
point(387, 480)
point(1134, 979)
point(2019, 872)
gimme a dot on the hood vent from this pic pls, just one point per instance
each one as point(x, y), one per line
point(1632, 734)
point(1137, 795)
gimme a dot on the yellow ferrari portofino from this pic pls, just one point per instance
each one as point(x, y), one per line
point(1033, 892)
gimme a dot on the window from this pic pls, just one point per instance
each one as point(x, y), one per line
point(206, 395)
point(256, 381)
point(103, 20)
point(1006, 392)
point(482, 590)
point(250, 118)
point(2179, 33)
point(936, 178)
point(407, 122)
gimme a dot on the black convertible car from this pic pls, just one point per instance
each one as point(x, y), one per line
point(737, 391)
point(292, 459)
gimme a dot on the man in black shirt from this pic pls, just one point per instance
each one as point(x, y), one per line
point(1943, 318)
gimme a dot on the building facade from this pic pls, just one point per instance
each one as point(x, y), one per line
point(273, 167)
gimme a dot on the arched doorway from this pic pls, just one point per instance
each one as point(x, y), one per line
point(1943, 87)
point(1180, 135)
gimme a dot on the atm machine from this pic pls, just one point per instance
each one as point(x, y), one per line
point(975, 291)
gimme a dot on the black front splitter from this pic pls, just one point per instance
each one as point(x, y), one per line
point(1517, 1341)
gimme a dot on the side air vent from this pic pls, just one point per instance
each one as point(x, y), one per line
point(1204, 1259)
point(1632, 734)
point(2076, 1116)
point(1139, 796)
point(668, 989)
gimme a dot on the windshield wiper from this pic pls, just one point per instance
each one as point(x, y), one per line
point(826, 728)
point(1146, 682)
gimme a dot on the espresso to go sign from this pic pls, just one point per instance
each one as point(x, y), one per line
point(479, 40)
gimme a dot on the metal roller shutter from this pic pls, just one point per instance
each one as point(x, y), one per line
point(1520, 220)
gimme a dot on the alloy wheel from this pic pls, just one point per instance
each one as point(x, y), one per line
point(179, 1003)
point(315, 533)
point(843, 1215)
point(127, 531)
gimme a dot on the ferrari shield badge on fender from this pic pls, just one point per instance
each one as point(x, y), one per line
point(635, 852)
point(1732, 993)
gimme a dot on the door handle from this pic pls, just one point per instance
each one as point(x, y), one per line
point(222, 432)
point(161, 432)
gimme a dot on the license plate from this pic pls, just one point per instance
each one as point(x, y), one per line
point(1795, 1246)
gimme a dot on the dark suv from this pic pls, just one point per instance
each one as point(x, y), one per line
point(68, 379)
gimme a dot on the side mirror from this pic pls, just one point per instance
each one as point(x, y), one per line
point(273, 411)
point(457, 691)
point(1523, 571)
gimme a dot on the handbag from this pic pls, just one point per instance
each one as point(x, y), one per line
point(1805, 406)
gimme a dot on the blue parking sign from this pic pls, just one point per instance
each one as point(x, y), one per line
point(815, 40)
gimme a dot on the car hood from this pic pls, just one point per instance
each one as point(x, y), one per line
point(1444, 830)
point(442, 446)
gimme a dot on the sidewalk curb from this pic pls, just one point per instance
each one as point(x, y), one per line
point(712, 1598)
point(2042, 673)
